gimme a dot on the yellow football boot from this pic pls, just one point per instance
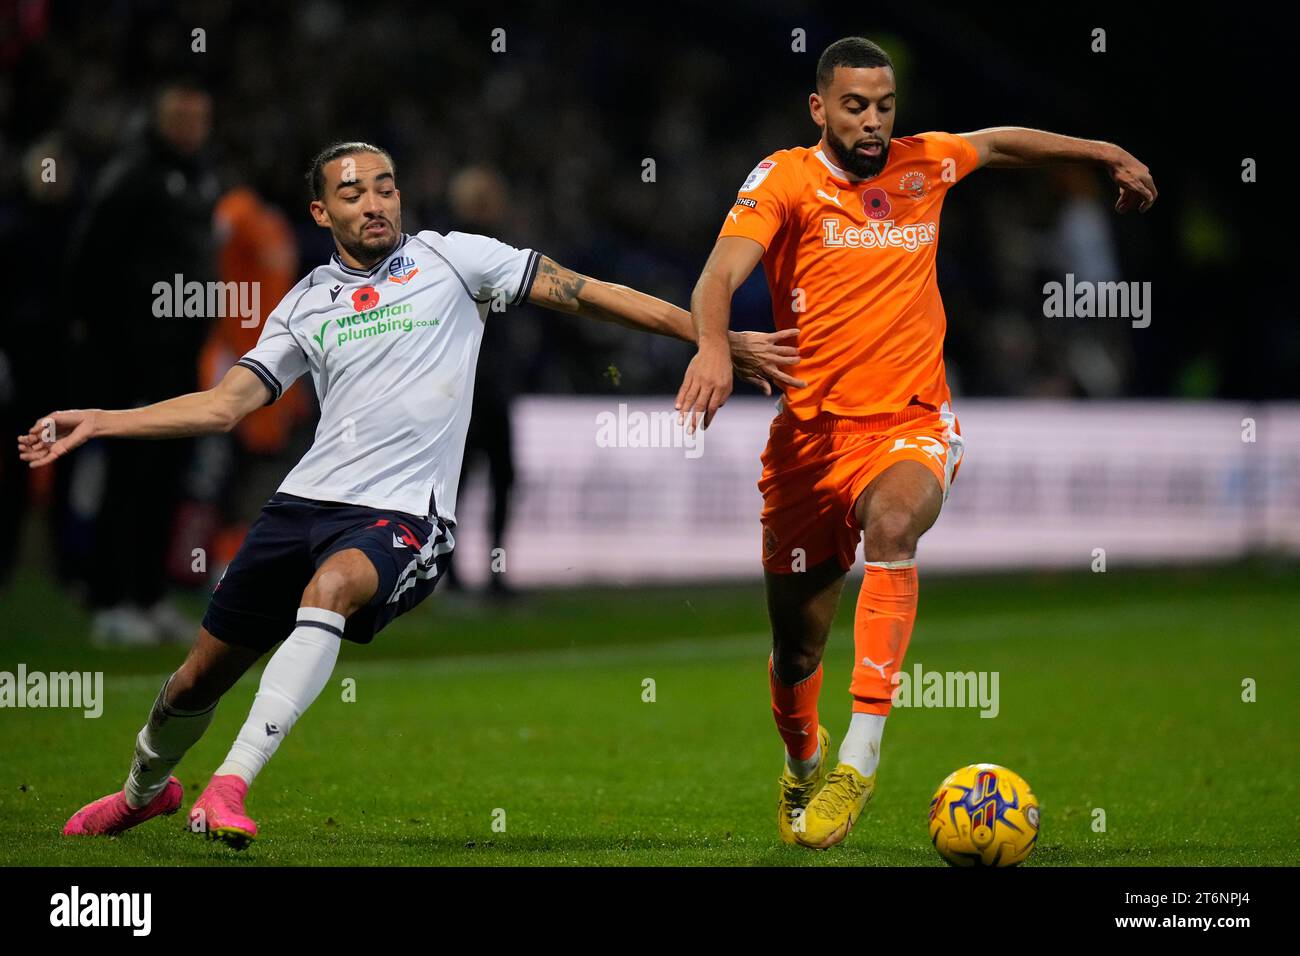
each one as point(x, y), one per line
point(834, 809)
point(796, 793)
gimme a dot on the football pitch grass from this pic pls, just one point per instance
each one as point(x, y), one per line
point(1119, 692)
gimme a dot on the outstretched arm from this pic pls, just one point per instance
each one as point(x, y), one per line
point(218, 409)
point(1015, 146)
point(704, 389)
point(754, 356)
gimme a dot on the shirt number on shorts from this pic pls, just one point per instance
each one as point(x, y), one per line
point(930, 446)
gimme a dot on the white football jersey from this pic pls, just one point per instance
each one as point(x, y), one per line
point(392, 352)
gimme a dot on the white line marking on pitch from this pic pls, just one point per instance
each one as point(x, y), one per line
point(733, 646)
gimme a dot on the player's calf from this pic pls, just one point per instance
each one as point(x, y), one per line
point(299, 669)
point(894, 511)
point(292, 680)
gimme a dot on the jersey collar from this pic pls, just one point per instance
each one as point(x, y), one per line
point(363, 273)
point(840, 173)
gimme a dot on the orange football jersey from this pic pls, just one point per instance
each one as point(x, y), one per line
point(852, 266)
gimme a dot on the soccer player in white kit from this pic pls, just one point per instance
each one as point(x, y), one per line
point(361, 528)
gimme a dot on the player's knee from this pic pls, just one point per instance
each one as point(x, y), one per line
point(793, 664)
point(890, 536)
point(331, 589)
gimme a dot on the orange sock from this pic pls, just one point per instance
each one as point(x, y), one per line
point(795, 709)
point(881, 631)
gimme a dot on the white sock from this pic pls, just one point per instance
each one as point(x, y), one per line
point(294, 676)
point(160, 745)
point(861, 747)
point(803, 769)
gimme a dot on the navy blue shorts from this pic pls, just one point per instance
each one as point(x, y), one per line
point(255, 604)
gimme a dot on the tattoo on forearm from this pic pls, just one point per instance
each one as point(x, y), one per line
point(557, 285)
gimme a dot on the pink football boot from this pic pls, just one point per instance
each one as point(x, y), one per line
point(219, 812)
point(111, 815)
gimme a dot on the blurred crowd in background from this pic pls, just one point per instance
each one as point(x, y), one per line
point(183, 152)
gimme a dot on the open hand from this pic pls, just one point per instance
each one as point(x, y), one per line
point(762, 357)
point(54, 435)
point(705, 388)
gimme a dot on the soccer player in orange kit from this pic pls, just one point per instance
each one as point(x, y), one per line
point(868, 448)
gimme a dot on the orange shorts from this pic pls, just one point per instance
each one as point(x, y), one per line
point(813, 473)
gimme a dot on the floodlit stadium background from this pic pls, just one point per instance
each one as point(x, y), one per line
point(1174, 442)
point(615, 699)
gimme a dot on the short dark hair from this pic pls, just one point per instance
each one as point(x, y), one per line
point(316, 175)
point(856, 53)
